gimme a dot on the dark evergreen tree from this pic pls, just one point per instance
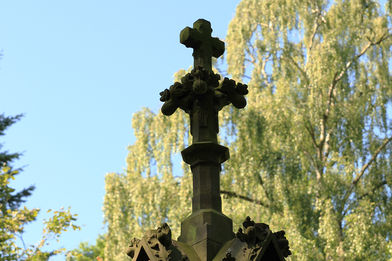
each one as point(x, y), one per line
point(14, 217)
point(9, 199)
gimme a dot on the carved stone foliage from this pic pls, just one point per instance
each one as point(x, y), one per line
point(198, 83)
point(258, 236)
point(133, 246)
point(156, 245)
point(283, 243)
point(228, 257)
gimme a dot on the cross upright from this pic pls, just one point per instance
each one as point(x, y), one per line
point(202, 96)
point(204, 46)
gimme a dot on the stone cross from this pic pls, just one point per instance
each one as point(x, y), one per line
point(204, 46)
point(207, 234)
point(202, 96)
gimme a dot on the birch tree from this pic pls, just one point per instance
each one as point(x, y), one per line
point(310, 154)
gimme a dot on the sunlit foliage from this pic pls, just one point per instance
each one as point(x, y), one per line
point(86, 252)
point(14, 217)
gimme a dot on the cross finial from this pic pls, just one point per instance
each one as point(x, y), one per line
point(202, 95)
point(204, 46)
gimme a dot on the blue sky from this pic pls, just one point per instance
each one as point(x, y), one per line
point(78, 70)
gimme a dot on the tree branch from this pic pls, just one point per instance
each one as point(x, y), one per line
point(252, 61)
point(21, 239)
point(316, 26)
point(385, 36)
point(235, 195)
point(260, 180)
point(315, 29)
point(379, 185)
point(308, 127)
point(323, 149)
point(363, 169)
point(263, 65)
point(290, 59)
point(251, 52)
point(366, 166)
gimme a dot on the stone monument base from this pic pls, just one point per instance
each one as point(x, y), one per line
point(206, 231)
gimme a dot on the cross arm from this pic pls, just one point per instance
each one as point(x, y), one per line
point(218, 47)
point(190, 37)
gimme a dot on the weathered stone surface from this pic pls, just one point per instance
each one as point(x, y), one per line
point(202, 96)
point(255, 242)
point(202, 152)
point(157, 245)
point(205, 159)
point(202, 225)
point(204, 46)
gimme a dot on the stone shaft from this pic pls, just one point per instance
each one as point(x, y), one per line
point(205, 159)
point(207, 229)
point(204, 120)
point(206, 179)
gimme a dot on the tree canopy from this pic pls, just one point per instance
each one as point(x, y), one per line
point(14, 216)
point(310, 154)
point(86, 252)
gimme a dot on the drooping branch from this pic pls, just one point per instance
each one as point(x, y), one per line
point(337, 78)
point(309, 129)
point(260, 181)
point(291, 60)
point(363, 170)
point(385, 36)
point(235, 195)
point(313, 160)
point(379, 185)
point(366, 166)
point(323, 149)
